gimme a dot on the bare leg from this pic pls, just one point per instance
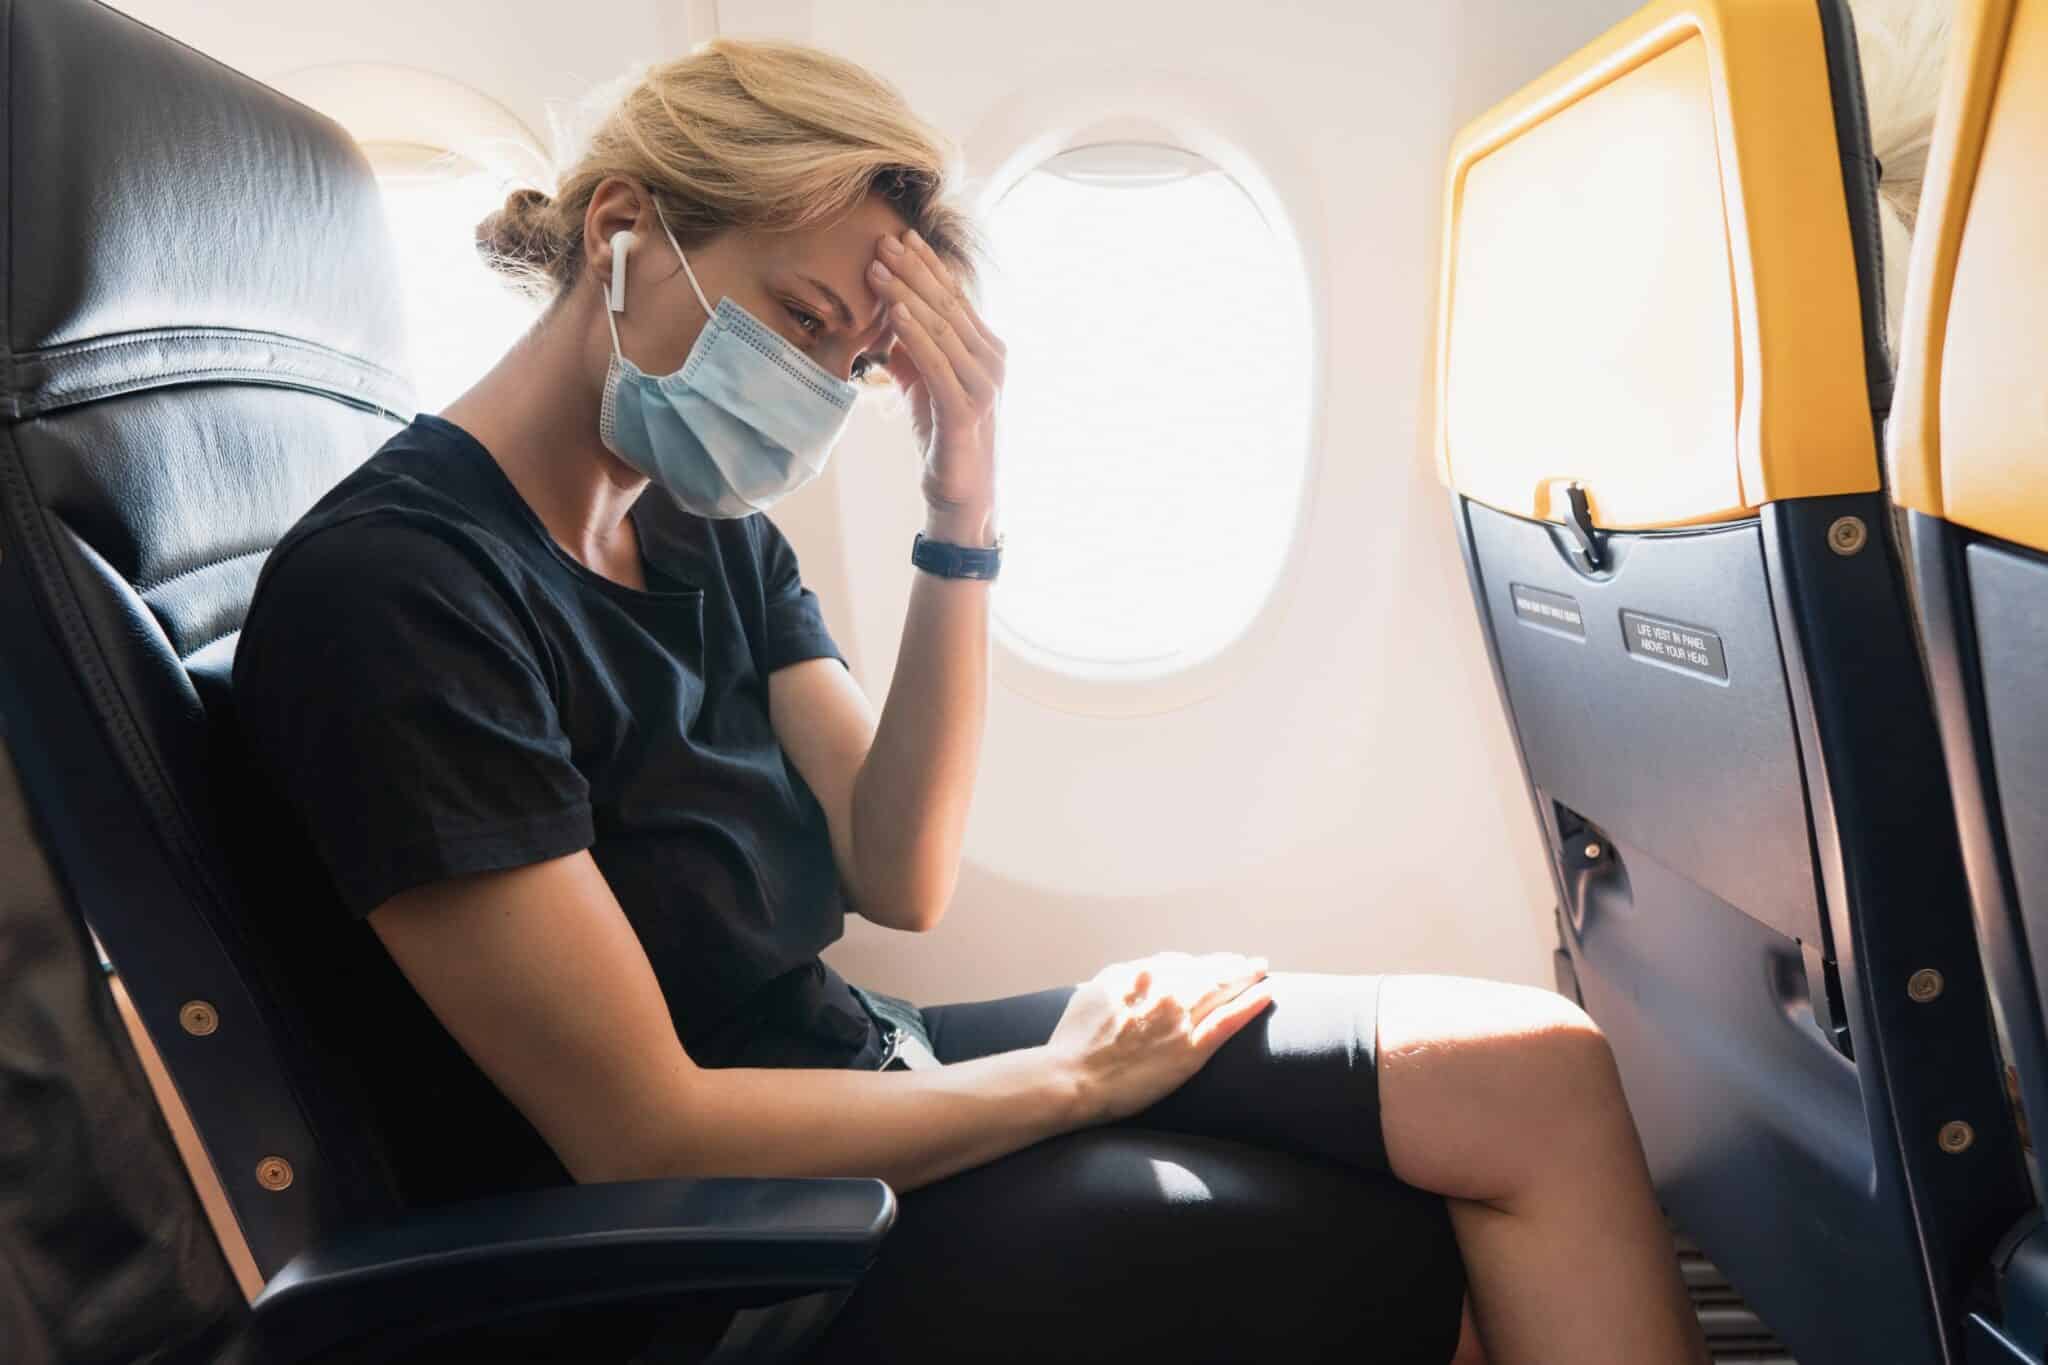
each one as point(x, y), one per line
point(1505, 1099)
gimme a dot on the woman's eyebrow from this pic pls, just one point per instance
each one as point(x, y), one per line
point(839, 307)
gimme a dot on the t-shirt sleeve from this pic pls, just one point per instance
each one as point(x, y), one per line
point(794, 626)
point(387, 689)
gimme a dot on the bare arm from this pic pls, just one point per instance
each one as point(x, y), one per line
point(896, 793)
point(538, 975)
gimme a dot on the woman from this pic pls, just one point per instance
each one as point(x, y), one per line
point(586, 759)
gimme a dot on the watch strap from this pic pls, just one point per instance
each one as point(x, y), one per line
point(949, 560)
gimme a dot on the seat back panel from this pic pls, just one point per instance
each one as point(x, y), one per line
point(1756, 1128)
point(2009, 595)
point(1700, 772)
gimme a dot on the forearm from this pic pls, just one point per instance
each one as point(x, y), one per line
point(908, 1128)
point(911, 796)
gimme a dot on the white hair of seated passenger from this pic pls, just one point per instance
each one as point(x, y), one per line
point(1904, 48)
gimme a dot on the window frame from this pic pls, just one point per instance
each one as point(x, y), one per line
point(1017, 138)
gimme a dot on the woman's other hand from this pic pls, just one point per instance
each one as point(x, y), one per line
point(1135, 1031)
point(950, 364)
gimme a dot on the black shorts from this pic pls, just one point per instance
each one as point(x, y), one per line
point(1248, 1216)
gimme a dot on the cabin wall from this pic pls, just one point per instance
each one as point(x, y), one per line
point(1351, 801)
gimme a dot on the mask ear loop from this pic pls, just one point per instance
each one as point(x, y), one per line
point(709, 311)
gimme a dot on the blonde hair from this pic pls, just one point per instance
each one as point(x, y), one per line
point(742, 133)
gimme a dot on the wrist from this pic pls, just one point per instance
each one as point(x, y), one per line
point(974, 526)
point(1069, 1095)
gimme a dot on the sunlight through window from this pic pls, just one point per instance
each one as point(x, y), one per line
point(460, 316)
point(1154, 430)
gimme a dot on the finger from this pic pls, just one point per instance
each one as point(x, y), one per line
point(1232, 964)
point(1181, 974)
point(974, 377)
point(956, 302)
point(1224, 989)
point(1140, 983)
point(931, 362)
point(1215, 967)
point(1194, 974)
point(933, 283)
point(1225, 1020)
point(967, 305)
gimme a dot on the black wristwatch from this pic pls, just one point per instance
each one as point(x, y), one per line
point(948, 560)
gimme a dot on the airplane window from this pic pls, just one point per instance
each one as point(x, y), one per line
point(1154, 435)
point(460, 317)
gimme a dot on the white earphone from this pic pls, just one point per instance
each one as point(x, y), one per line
point(622, 242)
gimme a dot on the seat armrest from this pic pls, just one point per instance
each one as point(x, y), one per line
point(642, 1241)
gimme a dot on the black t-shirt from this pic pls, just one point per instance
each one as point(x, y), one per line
point(432, 686)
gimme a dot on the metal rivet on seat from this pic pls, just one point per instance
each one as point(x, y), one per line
point(1592, 850)
point(1847, 535)
point(1924, 985)
point(199, 1018)
point(1956, 1136)
point(273, 1173)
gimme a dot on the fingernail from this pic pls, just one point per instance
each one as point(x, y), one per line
point(879, 272)
point(911, 236)
point(892, 246)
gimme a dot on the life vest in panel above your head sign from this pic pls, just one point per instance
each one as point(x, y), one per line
point(1649, 288)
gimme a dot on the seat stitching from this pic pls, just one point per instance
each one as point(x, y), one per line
point(142, 588)
point(203, 644)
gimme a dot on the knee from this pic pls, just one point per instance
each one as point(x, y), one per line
point(1541, 1051)
point(1559, 1091)
point(1486, 1084)
point(1563, 1061)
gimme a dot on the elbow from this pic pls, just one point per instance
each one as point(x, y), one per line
point(912, 916)
point(914, 905)
point(925, 918)
point(617, 1161)
point(925, 904)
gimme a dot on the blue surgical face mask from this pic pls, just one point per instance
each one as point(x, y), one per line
point(746, 420)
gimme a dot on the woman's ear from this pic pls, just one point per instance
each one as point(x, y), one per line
point(614, 211)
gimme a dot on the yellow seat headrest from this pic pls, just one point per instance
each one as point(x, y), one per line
point(1649, 283)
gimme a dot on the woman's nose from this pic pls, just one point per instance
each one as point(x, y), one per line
point(839, 360)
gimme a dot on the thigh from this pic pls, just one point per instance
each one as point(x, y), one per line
point(1302, 1077)
point(1118, 1244)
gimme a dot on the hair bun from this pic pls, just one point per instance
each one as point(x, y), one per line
point(526, 199)
point(521, 239)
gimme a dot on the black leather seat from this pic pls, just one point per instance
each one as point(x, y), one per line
point(201, 331)
point(202, 335)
